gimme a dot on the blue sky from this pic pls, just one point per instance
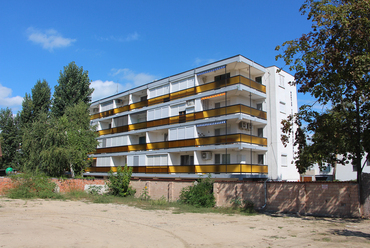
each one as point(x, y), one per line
point(123, 44)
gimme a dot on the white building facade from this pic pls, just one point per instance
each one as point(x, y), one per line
point(223, 118)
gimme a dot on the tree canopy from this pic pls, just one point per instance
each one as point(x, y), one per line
point(73, 87)
point(10, 138)
point(332, 64)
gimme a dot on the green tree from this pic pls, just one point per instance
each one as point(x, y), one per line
point(33, 139)
point(55, 145)
point(41, 94)
point(332, 64)
point(73, 87)
point(26, 115)
point(80, 137)
point(10, 139)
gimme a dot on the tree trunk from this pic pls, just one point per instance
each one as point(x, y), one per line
point(72, 171)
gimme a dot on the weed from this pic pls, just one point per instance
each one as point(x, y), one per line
point(119, 183)
point(32, 186)
point(160, 202)
point(200, 194)
point(95, 189)
point(145, 194)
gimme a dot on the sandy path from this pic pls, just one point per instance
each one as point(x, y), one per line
point(40, 223)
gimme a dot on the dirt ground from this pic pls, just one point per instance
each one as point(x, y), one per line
point(42, 223)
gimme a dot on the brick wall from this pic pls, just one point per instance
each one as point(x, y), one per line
point(313, 198)
point(366, 192)
point(158, 189)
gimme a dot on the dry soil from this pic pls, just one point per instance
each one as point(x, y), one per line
point(43, 223)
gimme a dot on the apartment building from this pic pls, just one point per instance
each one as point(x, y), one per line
point(222, 118)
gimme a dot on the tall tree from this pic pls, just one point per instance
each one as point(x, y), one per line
point(332, 63)
point(56, 145)
point(26, 115)
point(10, 139)
point(41, 94)
point(73, 87)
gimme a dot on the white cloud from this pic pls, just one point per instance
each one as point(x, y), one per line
point(6, 100)
point(130, 37)
point(104, 89)
point(48, 39)
point(132, 77)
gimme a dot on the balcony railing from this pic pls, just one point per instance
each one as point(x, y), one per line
point(190, 169)
point(184, 93)
point(239, 108)
point(203, 141)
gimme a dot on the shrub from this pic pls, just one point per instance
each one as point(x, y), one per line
point(32, 186)
point(119, 183)
point(200, 194)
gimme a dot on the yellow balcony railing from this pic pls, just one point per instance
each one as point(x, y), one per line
point(184, 93)
point(203, 141)
point(239, 108)
point(190, 169)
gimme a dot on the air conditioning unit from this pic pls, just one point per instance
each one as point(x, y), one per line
point(190, 103)
point(206, 155)
point(95, 110)
point(245, 125)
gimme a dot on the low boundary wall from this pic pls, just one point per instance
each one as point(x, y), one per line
point(305, 198)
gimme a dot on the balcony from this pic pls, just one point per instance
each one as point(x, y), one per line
point(234, 109)
point(203, 141)
point(191, 169)
point(184, 93)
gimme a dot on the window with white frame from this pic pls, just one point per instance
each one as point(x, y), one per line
point(282, 107)
point(281, 80)
point(157, 160)
point(159, 91)
point(284, 160)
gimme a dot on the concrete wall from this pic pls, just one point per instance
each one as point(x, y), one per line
point(314, 198)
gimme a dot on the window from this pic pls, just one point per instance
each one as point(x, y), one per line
point(217, 105)
point(217, 159)
point(217, 131)
point(156, 160)
point(281, 81)
point(260, 159)
point(259, 106)
point(260, 132)
point(142, 140)
point(258, 80)
point(136, 160)
point(222, 77)
point(225, 159)
point(187, 160)
point(284, 160)
point(205, 104)
point(282, 107)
